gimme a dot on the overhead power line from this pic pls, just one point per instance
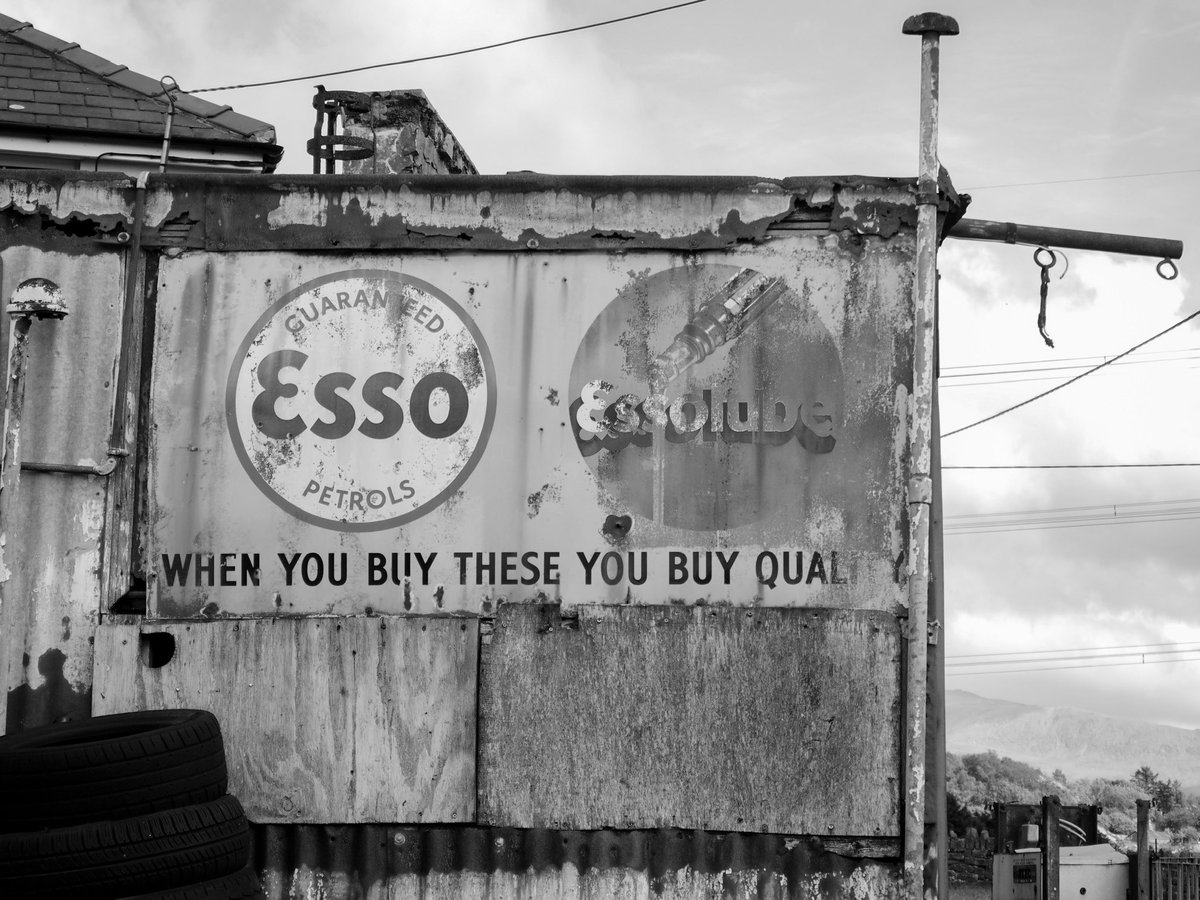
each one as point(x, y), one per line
point(1040, 365)
point(1011, 653)
point(986, 187)
point(1148, 662)
point(447, 55)
point(1070, 381)
point(1166, 465)
point(1140, 654)
point(1073, 517)
point(1048, 510)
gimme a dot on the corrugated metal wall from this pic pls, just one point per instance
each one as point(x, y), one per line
point(326, 862)
point(563, 279)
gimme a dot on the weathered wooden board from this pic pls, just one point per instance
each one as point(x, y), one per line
point(773, 720)
point(364, 719)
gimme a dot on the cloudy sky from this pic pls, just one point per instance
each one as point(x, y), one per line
point(1069, 114)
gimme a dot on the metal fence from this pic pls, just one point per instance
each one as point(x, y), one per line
point(1177, 878)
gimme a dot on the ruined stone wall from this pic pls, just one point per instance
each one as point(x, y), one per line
point(410, 138)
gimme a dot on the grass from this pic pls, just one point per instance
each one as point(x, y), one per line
point(970, 892)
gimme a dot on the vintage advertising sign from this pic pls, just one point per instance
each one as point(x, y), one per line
point(361, 400)
point(428, 432)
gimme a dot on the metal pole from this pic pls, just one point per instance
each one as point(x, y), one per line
point(1143, 850)
point(920, 486)
point(1067, 238)
point(14, 614)
point(34, 298)
point(1051, 845)
point(937, 832)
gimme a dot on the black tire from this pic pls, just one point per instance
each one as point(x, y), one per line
point(110, 767)
point(243, 885)
point(106, 860)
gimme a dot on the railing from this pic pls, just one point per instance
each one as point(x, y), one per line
point(1176, 878)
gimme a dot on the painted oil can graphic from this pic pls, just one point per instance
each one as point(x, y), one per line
point(361, 400)
point(700, 391)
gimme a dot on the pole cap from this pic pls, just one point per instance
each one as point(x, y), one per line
point(930, 23)
point(37, 297)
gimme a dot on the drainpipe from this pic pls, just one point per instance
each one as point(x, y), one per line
point(168, 85)
point(920, 486)
point(35, 298)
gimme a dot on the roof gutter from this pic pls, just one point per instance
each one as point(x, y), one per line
point(270, 154)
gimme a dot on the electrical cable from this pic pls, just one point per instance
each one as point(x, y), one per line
point(417, 59)
point(1062, 509)
point(1090, 371)
point(1087, 466)
point(943, 376)
point(1053, 527)
point(1001, 367)
point(987, 187)
point(1092, 516)
point(1142, 653)
point(1065, 650)
point(1149, 662)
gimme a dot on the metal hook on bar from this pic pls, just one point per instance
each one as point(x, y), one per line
point(1045, 267)
point(1170, 264)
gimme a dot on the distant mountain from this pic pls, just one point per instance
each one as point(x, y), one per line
point(1082, 744)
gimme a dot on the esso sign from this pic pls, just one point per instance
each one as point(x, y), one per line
point(361, 400)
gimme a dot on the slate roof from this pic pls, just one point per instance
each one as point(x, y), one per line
point(64, 88)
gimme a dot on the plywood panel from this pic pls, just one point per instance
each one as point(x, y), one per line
point(774, 720)
point(367, 719)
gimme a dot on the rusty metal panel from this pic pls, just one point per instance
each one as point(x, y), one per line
point(772, 720)
point(455, 863)
point(53, 547)
point(324, 720)
point(771, 472)
point(505, 212)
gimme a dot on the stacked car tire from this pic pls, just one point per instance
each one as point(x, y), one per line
point(133, 805)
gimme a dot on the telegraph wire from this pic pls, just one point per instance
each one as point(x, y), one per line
point(1167, 465)
point(1006, 529)
point(417, 59)
point(946, 375)
point(1135, 647)
point(981, 660)
point(987, 187)
point(1148, 662)
point(1061, 509)
point(1144, 512)
point(1054, 527)
point(1070, 381)
point(1142, 653)
point(999, 366)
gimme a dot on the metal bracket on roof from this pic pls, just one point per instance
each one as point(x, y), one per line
point(330, 145)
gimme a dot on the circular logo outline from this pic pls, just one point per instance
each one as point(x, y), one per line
point(235, 434)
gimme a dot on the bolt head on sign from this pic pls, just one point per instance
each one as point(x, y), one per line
point(361, 400)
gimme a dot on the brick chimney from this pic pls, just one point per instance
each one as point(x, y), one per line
point(410, 138)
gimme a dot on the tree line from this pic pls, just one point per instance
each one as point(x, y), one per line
point(975, 781)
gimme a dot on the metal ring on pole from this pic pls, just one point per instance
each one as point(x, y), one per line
point(1045, 265)
point(1170, 264)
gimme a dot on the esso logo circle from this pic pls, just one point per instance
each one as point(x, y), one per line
point(361, 400)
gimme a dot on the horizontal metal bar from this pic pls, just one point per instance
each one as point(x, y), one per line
point(105, 469)
point(1067, 238)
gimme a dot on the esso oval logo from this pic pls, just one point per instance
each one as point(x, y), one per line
point(361, 400)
